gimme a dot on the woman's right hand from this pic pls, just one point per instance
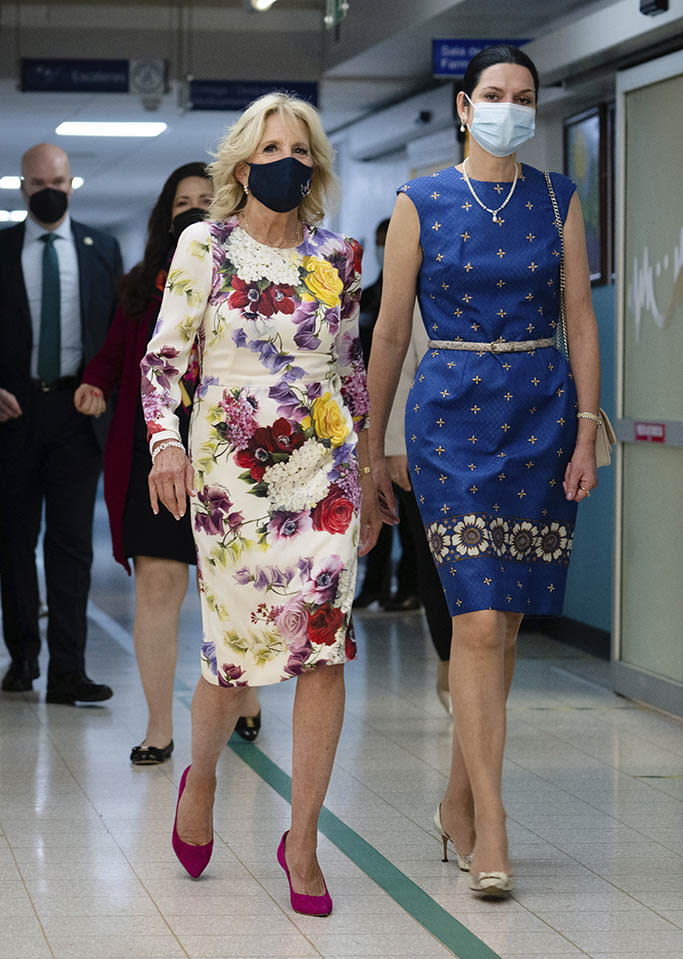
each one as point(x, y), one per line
point(385, 492)
point(89, 400)
point(171, 480)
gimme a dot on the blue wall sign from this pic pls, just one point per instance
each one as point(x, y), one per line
point(451, 56)
point(238, 94)
point(74, 76)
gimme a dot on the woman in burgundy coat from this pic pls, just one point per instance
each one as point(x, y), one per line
point(161, 548)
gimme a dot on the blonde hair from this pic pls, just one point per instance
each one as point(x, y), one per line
point(241, 141)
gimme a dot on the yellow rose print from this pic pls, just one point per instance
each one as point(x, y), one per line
point(329, 421)
point(323, 280)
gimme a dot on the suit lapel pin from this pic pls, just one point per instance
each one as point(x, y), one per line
point(88, 240)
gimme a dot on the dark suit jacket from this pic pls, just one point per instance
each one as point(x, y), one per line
point(99, 272)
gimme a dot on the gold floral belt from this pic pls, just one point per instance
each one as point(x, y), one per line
point(499, 346)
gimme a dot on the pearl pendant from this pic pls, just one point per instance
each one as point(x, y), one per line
point(495, 217)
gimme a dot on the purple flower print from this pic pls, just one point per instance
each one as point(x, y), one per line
point(203, 387)
point(289, 404)
point(239, 337)
point(322, 585)
point(209, 654)
point(229, 675)
point(239, 425)
point(272, 577)
point(305, 319)
point(297, 659)
point(155, 367)
point(332, 320)
point(271, 357)
point(305, 565)
point(313, 391)
point(217, 504)
point(285, 525)
point(293, 373)
point(292, 622)
point(243, 576)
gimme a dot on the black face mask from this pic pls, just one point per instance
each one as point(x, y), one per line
point(48, 205)
point(185, 219)
point(280, 185)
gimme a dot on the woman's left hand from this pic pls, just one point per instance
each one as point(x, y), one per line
point(370, 516)
point(581, 475)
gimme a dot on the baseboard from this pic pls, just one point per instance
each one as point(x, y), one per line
point(589, 639)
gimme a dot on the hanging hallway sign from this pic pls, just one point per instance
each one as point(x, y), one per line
point(450, 56)
point(74, 76)
point(238, 94)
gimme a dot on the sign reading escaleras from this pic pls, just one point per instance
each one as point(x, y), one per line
point(450, 56)
point(74, 76)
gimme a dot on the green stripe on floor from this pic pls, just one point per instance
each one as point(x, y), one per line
point(433, 917)
point(462, 943)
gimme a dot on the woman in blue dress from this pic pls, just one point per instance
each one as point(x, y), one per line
point(500, 430)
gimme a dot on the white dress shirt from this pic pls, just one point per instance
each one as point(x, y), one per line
point(69, 293)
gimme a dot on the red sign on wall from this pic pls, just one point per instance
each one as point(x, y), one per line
point(649, 432)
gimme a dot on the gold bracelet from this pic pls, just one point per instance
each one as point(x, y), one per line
point(364, 469)
point(593, 417)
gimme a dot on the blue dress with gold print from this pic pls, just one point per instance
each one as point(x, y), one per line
point(489, 435)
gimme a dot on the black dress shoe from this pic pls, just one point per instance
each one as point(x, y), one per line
point(19, 677)
point(401, 603)
point(83, 691)
point(150, 755)
point(248, 727)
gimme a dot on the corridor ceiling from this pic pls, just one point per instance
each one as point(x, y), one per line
point(381, 53)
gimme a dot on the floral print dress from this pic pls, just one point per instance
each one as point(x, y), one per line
point(281, 398)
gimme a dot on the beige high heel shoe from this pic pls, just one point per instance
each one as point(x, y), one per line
point(463, 861)
point(492, 885)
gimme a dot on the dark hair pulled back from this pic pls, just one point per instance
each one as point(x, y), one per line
point(503, 53)
point(138, 286)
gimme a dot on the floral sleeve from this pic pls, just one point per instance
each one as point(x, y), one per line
point(168, 352)
point(350, 364)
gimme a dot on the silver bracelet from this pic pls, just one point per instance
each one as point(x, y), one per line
point(165, 446)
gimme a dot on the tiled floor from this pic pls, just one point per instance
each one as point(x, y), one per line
point(86, 868)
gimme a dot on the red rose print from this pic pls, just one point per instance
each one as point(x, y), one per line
point(333, 514)
point(324, 623)
point(350, 643)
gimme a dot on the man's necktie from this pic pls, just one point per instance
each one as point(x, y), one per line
point(49, 346)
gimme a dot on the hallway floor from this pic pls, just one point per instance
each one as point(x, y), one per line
point(593, 789)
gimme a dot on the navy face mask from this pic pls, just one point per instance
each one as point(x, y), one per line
point(280, 185)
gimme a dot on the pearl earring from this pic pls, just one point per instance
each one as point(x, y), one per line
point(246, 190)
point(462, 127)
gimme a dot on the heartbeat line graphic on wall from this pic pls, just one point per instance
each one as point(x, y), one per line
point(641, 290)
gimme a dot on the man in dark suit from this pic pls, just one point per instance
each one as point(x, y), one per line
point(58, 290)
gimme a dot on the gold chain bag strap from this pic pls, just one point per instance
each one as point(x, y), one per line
point(605, 437)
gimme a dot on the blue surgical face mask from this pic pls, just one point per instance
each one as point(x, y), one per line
point(280, 185)
point(501, 128)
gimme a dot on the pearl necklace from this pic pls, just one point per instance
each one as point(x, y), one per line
point(494, 213)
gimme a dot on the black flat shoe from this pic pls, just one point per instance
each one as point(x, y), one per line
point(19, 677)
point(150, 755)
point(84, 691)
point(248, 727)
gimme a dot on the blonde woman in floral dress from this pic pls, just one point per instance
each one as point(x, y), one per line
point(277, 465)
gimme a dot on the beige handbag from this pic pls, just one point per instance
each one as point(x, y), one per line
point(605, 437)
